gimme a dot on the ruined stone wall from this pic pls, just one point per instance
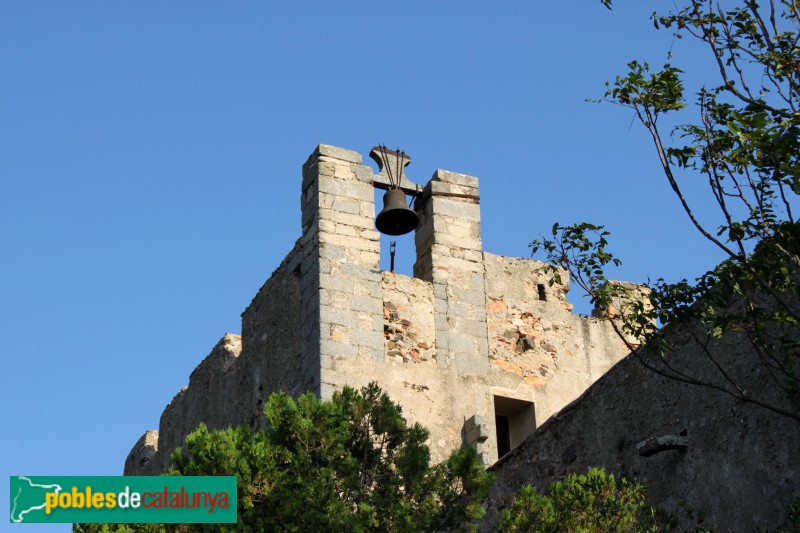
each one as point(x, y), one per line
point(554, 354)
point(230, 385)
point(271, 333)
point(408, 323)
point(740, 468)
point(472, 336)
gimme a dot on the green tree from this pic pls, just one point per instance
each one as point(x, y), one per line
point(591, 502)
point(745, 145)
point(349, 464)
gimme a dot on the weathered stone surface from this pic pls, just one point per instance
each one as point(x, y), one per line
point(140, 460)
point(710, 459)
point(455, 178)
point(468, 331)
point(336, 152)
point(409, 327)
point(206, 399)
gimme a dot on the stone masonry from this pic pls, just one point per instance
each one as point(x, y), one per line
point(479, 348)
point(710, 460)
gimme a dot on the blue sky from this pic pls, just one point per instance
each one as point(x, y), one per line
point(150, 157)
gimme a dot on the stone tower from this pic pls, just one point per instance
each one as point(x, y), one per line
point(477, 347)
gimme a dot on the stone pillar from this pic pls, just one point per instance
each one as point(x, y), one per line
point(475, 433)
point(449, 254)
point(341, 292)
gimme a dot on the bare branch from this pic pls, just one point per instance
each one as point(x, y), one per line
point(674, 184)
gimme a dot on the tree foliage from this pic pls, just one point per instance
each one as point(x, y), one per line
point(349, 464)
point(745, 145)
point(591, 502)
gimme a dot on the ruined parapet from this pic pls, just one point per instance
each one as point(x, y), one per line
point(629, 300)
point(272, 326)
point(208, 398)
point(541, 354)
point(140, 459)
point(526, 313)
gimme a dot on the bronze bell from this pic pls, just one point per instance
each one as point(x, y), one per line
point(396, 218)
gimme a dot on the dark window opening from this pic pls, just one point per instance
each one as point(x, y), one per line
point(503, 435)
point(542, 294)
point(514, 420)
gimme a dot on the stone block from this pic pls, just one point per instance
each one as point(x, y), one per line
point(365, 258)
point(475, 430)
point(467, 280)
point(422, 271)
point(468, 296)
point(339, 333)
point(373, 290)
point(347, 231)
point(325, 200)
point(357, 221)
point(360, 272)
point(366, 303)
point(308, 240)
point(423, 233)
point(336, 153)
point(309, 264)
point(331, 254)
point(356, 191)
point(338, 283)
point(332, 315)
point(308, 216)
point(333, 298)
point(345, 172)
point(470, 362)
point(455, 178)
point(349, 242)
point(367, 209)
point(452, 207)
point(462, 342)
point(461, 310)
point(364, 174)
point(441, 188)
point(331, 348)
point(370, 322)
point(444, 261)
point(346, 205)
point(372, 339)
point(370, 235)
point(327, 225)
point(465, 242)
point(309, 187)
